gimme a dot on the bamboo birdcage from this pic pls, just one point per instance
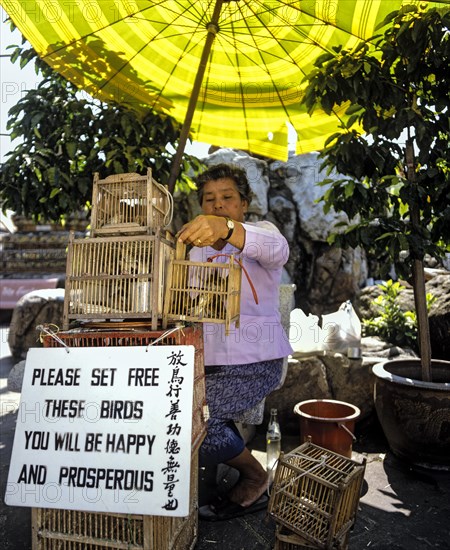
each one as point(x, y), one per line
point(315, 494)
point(116, 277)
point(129, 204)
point(202, 291)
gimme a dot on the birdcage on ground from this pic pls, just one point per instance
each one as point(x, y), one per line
point(315, 496)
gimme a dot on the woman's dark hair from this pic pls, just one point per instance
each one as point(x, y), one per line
point(219, 171)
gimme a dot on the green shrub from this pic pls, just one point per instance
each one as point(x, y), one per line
point(394, 324)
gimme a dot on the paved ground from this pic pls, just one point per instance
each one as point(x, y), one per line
point(400, 508)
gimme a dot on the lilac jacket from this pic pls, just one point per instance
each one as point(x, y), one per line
point(260, 336)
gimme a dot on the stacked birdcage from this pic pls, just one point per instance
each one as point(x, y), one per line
point(115, 289)
point(314, 498)
point(119, 272)
point(129, 204)
point(116, 278)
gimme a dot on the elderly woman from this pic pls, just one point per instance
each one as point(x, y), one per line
point(243, 367)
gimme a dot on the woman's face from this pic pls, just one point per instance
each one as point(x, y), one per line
point(221, 198)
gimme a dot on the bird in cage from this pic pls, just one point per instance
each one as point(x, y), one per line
point(208, 301)
point(127, 212)
point(134, 262)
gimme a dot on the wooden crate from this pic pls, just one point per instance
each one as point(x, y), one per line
point(315, 495)
point(129, 204)
point(187, 336)
point(54, 529)
point(202, 291)
point(116, 277)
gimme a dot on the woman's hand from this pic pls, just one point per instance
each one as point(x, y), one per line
point(203, 231)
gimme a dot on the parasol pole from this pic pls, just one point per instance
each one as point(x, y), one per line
point(213, 28)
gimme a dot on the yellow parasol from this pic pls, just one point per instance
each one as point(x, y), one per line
point(232, 70)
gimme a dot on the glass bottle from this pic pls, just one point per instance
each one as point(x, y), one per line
point(273, 442)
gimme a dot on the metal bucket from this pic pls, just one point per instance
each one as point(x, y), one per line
point(329, 423)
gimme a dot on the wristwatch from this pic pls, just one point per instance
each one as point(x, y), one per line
point(230, 225)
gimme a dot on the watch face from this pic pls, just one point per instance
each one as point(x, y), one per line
point(230, 225)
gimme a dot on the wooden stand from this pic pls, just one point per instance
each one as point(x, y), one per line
point(53, 529)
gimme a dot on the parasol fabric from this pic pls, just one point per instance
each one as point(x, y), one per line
point(239, 90)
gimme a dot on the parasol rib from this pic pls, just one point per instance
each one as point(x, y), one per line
point(212, 28)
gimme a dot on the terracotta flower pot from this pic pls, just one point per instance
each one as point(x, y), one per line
point(415, 415)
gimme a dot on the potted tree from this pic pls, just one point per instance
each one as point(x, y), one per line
point(394, 156)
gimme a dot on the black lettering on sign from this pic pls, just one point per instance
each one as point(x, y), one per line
point(103, 377)
point(143, 377)
point(67, 441)
point(64, 408)
point(123, 410)
point(33, 474)
point(93, 442)
point(56, 377)
point(36, 440)
point(129, 443)
point(108, 478)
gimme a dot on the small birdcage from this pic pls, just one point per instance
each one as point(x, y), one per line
point(116, 277)
point(129, 204)
point(202, 291)
point(315, 495)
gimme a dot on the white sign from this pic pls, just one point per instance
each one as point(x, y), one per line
point(105, 429)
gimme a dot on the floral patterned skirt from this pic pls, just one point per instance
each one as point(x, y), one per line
point(231, 391)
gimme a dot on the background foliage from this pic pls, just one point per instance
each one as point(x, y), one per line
point(66, 136)
point(393, 323)
point(398, 94)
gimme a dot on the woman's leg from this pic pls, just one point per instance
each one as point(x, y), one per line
point(253, 479)
point(222, 443)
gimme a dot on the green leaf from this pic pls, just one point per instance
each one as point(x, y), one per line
point(71, 148)
point(349, 188)
point(353, 108)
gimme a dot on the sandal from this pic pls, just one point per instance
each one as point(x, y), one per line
point(223, 509)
